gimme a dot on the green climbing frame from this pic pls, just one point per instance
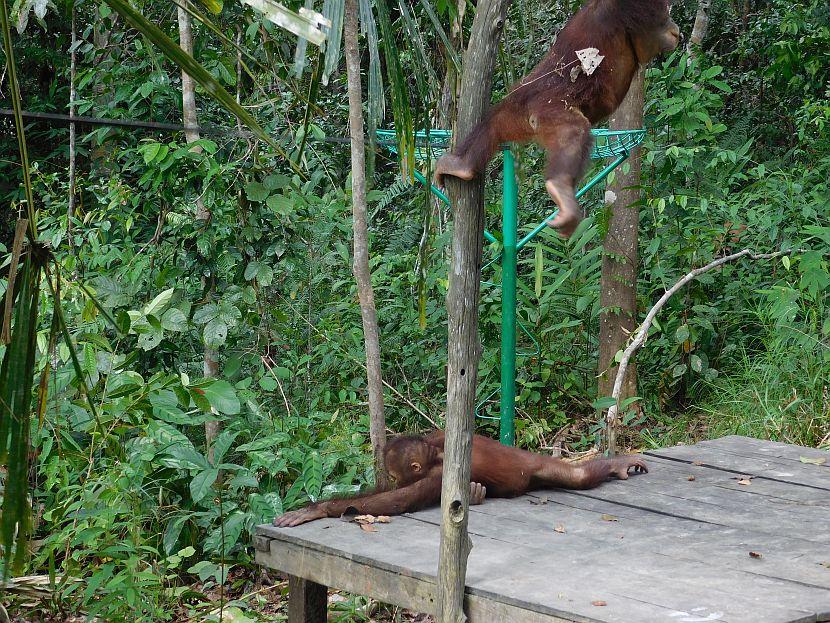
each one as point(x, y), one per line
point(616, 144)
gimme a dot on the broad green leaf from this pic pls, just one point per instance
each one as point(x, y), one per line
point(182, 455)
point(174, 320)
point(251, 270)
point(215, 333)
point(313, 474)
point(221, 396)
point(682, 334)
point(268, 383)
point(276, 181)
point(222, 444)
point(150, 151)
point(255, 191)
point(230, 532)
point(160, 302)
point(202, 482)
point(206, 313)
point(166, 408)
point(172, 532)
point(280, 204)
point(149, 339)
point(603, 403)
point(204, 569)
point(696, 363)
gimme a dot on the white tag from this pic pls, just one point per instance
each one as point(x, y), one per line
point(590, 59)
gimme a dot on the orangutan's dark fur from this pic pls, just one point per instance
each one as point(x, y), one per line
point(556, 103)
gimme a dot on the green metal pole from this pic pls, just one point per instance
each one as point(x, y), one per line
point(509, 220)
point(594, 181)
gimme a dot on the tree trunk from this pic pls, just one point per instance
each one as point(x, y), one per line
point(99, 154)
point(210, 358)
point(700, 27)
point(618, 287)
point(464, 348)
point(73, 95)
point(362, 274)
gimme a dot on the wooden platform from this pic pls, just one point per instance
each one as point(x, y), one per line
point(734, 530)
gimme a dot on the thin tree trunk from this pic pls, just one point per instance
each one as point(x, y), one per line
point(70, 210)
point(618, 285)
point(210, 358)
point(464, 347)
point(700, 28)
point(100, 161)
point(239, 73)
point(362, 274)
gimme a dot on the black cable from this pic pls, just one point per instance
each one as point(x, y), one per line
point(47, 117)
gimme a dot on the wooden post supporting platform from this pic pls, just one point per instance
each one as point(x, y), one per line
point(307, 601)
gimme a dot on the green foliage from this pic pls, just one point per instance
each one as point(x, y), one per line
point(141, 520)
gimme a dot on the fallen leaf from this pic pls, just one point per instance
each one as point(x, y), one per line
point(744, 481)
point(825, 564)
point(690, 478)
point(698, 463)
point(816, 461)
point(365, 518)
point(599, 602)
point(755, 555)
point(539, 502)
point(367, 527)
point(383, 519)
point(609, 518)
point(560, 529)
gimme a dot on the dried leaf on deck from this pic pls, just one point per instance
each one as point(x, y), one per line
point(540, 501)
point(690, 478)
point(755, 555)
point(599, 602)
point(816, 461)
point(698, 463)
point(744, 481)
point(560, 529)
point(607, 517)
point(366, 521)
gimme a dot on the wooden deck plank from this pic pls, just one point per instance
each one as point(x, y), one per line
point(650, 590)
point(738, 459)
point(636, 530)
point(679, 550)
point(767, 449)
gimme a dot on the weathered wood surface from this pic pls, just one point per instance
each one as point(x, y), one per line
point(659, 547)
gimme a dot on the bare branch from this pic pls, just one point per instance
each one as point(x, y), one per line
point(642, 333)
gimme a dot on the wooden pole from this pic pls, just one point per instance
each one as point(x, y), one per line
point(464, 348)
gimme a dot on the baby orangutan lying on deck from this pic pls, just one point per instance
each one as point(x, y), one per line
point(416, 464)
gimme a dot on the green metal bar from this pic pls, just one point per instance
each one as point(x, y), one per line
point(437, 192)
point(510, 225)
point(593, 182)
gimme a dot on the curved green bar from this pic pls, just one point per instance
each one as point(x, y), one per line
point(608, 143)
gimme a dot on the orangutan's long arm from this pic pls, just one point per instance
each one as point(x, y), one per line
point(420, 494)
